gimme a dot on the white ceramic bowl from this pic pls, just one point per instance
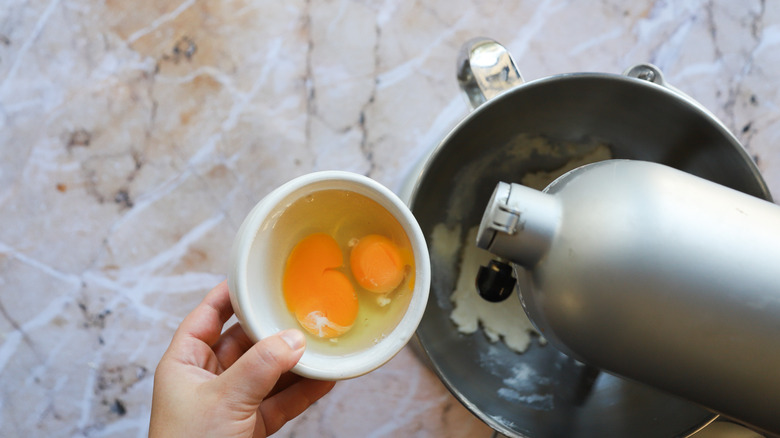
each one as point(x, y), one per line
point(256, 268)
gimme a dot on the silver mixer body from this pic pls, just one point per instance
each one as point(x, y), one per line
point(655, 275)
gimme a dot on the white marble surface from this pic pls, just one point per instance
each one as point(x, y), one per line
point(135, 136)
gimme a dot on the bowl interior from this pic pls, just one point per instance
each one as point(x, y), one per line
point(573, 114)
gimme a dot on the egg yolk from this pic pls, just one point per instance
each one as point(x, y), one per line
point(377, 264)
point(322, 299)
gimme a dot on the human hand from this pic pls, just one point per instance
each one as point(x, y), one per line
point(213, 384)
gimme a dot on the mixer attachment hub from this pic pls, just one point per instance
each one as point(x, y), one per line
point(495, 281)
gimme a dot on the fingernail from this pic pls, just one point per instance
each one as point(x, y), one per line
point(293, 338)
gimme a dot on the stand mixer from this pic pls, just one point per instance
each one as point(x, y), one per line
point(637, 116)
point(651, 274)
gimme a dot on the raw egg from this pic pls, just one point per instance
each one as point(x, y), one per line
point(322, 298)
point(376, 264)
point(321, 235)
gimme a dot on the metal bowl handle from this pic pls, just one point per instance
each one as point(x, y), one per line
point(647, 72)
point(485, 69)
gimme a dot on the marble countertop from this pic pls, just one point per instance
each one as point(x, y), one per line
point(135, 136)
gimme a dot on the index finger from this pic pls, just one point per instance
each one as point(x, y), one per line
point(206, 320)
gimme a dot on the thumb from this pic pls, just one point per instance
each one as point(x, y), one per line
point(256, 372)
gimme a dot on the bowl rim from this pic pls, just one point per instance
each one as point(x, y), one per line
point(312, 364)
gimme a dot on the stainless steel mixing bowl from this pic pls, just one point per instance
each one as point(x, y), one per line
point(639, 117)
